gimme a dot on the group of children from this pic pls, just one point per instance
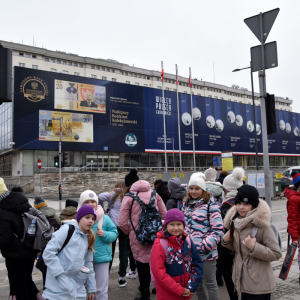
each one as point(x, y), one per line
point(176, 264)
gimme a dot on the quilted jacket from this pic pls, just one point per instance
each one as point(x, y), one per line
point(293, 209)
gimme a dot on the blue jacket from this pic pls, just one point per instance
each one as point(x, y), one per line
point(102, 247)
point(64, 280)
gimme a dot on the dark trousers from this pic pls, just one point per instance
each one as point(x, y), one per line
point(123, 252)
point(227, 263)
point(132, 263)
point(144, 277)
point(20, 280)
point(256, 297)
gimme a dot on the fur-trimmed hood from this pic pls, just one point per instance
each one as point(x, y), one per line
point(261, 218)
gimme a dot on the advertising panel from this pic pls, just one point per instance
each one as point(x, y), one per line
point(75, 127)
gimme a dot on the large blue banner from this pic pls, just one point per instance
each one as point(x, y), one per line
point(129, 118)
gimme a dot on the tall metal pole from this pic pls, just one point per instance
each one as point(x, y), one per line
point(254, 116)
point(192, 121)
point(164, 117)
point(178, 115)
point(173, 156)
point(59, 152)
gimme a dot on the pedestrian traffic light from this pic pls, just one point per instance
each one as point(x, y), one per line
point(56, 161)
point(270, 114)
point(65, 159)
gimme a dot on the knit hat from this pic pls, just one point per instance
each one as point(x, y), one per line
point(132, 177)
point(71, 202)
point(210, 175)
point(87, 195)
point(235, 180)
point(174, 183)
point(39, 202)
point(3, 187)
point(174, 214)
point(296, 180)
point(85, 210)
point(198, 179)
point(248, 194)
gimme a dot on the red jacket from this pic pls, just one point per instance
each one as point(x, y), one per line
point(293, 210)
point(180, 268)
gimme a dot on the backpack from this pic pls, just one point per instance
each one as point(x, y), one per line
point(53, 223)
point(164, 245)
point(43, 229)
point(40, 264)
point(150, 220)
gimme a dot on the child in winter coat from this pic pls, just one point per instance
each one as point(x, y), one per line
point(68, 270)
point(106, 232)
point(252, 272)
point(177, 269)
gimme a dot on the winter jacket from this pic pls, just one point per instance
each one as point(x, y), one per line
point(176, 195)
point(205, 232)
point(259, 279)
point(64, 280)
point(12, 206)
point(216, 190)
point(102, 246)
point(69, 213)
point(163, 191)
point(50, 212)
point(180, 268)
point(293, 210)
point(115, 207)
point(140, 252)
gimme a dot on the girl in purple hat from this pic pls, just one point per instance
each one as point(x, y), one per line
point(175, 261)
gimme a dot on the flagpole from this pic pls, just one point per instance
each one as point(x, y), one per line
point(164, 115)
point(178, 114)
point(190, 83)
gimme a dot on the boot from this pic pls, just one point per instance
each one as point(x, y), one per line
point(40, 297)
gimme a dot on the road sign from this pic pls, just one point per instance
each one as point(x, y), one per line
point(270, 55)
point(39, 164)
point(268, 19)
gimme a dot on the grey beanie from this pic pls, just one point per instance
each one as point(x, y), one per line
point(39, 202)
point(174, 183)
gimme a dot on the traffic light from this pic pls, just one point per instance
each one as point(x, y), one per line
point(270, 114)
point(65, 159)
point(56, 161)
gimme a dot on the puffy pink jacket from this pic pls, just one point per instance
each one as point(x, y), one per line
point(140, 252)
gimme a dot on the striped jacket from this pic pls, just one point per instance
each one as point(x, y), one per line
point(205, 233)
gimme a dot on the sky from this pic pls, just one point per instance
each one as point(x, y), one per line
point(208, 36)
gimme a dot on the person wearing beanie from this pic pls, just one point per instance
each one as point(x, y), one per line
point(177, 193)
point(131, 210)
point(293, 210)
point(205, 227)
point(172, 280)
point(41, 204)
point(77, 255)
point(131, 178)
point(70, 212)
point(19, 259)
point(257, 282)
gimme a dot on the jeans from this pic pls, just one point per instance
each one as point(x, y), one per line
point(144, 277)
point(210, 282)
point(123, 252)
point(20, 280)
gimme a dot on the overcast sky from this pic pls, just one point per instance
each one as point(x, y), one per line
point(196, 34)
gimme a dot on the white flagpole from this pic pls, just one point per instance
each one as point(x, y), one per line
point(164, 116)
point(178, 113)
point(192, 120)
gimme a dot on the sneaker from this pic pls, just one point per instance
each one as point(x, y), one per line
point(122, 282)
point(131, 275)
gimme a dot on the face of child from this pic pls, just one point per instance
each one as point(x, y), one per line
point(86, 223)
point(91, 203)
point(195, 191)
point(175, 228)
point(243, 208)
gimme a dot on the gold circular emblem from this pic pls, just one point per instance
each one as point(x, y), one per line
point(34, 89)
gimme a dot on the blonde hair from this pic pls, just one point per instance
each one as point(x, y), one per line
point(91, 240)
point(121, 193)
point(205, 195)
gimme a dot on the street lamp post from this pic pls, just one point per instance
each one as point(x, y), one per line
point(253, 104)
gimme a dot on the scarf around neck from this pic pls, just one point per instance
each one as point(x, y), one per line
point(240, 223)
point(230, 195)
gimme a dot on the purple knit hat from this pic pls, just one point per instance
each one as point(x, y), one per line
point(174, 214)
point(85, 210)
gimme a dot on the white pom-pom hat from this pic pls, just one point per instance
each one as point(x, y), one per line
point(198, 179)
point(235, 180)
